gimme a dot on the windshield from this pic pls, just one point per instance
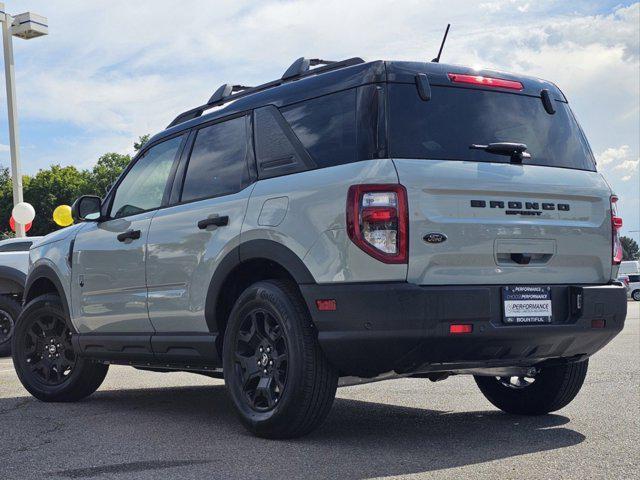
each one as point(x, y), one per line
point(454, 118)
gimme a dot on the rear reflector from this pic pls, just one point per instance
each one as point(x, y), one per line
point(485, 81)
point(457, 328)
point(616, 225)
point(326, 305)
point(598, 323)
point(617, 222)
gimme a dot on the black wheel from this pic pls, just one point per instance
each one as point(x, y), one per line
point(636, 295)
point(9, 312)
point(551, 389)
point(277, 376)
point(44, 358)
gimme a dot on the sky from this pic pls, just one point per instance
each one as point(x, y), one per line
point(110, 71)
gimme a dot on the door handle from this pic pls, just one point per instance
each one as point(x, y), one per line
point(217, 221)
point(129, 235)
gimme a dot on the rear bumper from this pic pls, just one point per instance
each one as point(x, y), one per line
point(382, 327)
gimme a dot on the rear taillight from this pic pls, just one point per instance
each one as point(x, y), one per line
point(485, 81)
point(377, 221)
point(616, 225)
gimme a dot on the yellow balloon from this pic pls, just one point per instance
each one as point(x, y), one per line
point(62, 215)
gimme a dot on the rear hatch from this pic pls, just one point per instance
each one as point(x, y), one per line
point(477, 217)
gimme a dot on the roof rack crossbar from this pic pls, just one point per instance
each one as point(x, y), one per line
point(301, 66)
point(226, 92)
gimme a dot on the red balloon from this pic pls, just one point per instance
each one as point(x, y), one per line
point(12, 224)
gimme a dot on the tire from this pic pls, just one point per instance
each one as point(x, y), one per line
point(552, 389)
point(291, 392)
point(636, 295)
point(9, 312)
point(44, 358)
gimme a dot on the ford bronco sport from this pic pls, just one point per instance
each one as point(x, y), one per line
point(350, 222)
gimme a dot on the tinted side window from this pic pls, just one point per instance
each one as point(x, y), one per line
point(144, 184)
point(16, 247)
point(326, 126)
point(218, 164)
point(634, 278)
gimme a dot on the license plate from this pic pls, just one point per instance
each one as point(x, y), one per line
point(526, 305)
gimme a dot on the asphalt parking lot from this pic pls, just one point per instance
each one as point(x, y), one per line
point(174, 426)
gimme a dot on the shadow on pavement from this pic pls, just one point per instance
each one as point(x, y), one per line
point(160, 431)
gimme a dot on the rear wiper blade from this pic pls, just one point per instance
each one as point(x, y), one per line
point(517, 151)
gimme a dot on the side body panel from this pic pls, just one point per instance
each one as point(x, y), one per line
point(314, 224)
point(51, 255)
point(16, 260)
point(182, 259)
point(108, 287)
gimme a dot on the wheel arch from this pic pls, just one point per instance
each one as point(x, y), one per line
point(42, 280)
point(248, 263)
point(12, 280)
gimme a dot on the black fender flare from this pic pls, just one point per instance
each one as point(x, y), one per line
point(45, 271)
point(12, 280)
point(253, 249)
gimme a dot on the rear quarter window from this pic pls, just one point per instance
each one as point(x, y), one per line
point(326, 127)
point(454, 118)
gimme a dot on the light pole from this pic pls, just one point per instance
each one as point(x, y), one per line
point(26, 25)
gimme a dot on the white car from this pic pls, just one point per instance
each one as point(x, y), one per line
point(633, 287)
point(14, 263)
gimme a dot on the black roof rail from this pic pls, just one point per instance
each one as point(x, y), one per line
point(298, 69)
point(225, 91)
point(302, 65)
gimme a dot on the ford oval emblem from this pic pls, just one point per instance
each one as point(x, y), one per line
point(434, 237)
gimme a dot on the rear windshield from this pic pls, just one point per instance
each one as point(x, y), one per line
point(454, 118)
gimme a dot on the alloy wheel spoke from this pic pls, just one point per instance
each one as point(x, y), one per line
point(266, 391)
point(250, 368)
point(248, 337)
point(273, 332)
point(37, 365)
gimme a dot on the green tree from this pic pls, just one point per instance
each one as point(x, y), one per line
point(58, 185)
point(106, 171)
point(50, 188)
point(141, 141)
point(629, 248)
point(6, 203)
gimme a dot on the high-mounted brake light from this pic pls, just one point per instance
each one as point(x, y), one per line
point(616, 225)
point(485, 81)
point(377, 221)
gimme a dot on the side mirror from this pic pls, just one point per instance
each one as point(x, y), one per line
point(86, 209)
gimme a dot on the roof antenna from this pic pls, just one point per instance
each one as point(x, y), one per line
point(446, 32)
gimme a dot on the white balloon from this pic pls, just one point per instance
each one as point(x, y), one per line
point(23, 213)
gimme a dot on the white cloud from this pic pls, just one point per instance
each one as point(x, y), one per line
point(130, 66)
point(4, 148)
point(116, 69)
point(619, 162)
point(613, 155)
